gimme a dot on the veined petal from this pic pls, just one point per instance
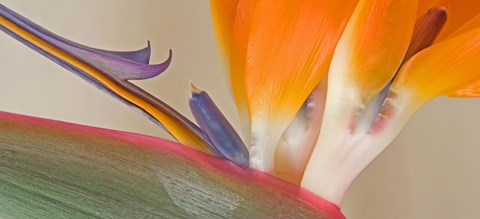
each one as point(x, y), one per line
point(444, 68)
point(366, 58)
point(83, 61)
point(290, 45)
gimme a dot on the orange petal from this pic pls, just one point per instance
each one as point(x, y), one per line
point(289, 49)
point(373, 46)
point(471, 89)
point(459, 12)
point(473, 24)
point(238, 57)
point(450, 67)
point(223, 16)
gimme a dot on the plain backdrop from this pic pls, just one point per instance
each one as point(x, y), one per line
point(431, 170)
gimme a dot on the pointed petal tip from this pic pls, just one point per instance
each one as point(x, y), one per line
point(193, 88)
point(148, 52)
point(148, 45)
point(146, 71)
point(167, 62)
point(170, 55)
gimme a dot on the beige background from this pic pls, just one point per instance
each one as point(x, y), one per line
point(430, 171)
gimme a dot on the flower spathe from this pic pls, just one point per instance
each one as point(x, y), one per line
point(52, 168)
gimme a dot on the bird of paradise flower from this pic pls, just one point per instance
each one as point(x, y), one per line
point(371, 91)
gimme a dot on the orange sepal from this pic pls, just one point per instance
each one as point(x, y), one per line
point(290, 45)
point(449, 67)
point(223, 17)
point(289, 50)
point(372, 47)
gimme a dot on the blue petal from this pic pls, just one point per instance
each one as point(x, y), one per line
point(223, 137)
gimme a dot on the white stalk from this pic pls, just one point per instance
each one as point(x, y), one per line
point(343, 151)
point(299, 139)
point(263, 142)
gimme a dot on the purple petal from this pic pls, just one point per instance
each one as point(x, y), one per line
point(107, 65)
point(83, 75)
point(141, 56)
point(124, 65)
point(225, 140)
